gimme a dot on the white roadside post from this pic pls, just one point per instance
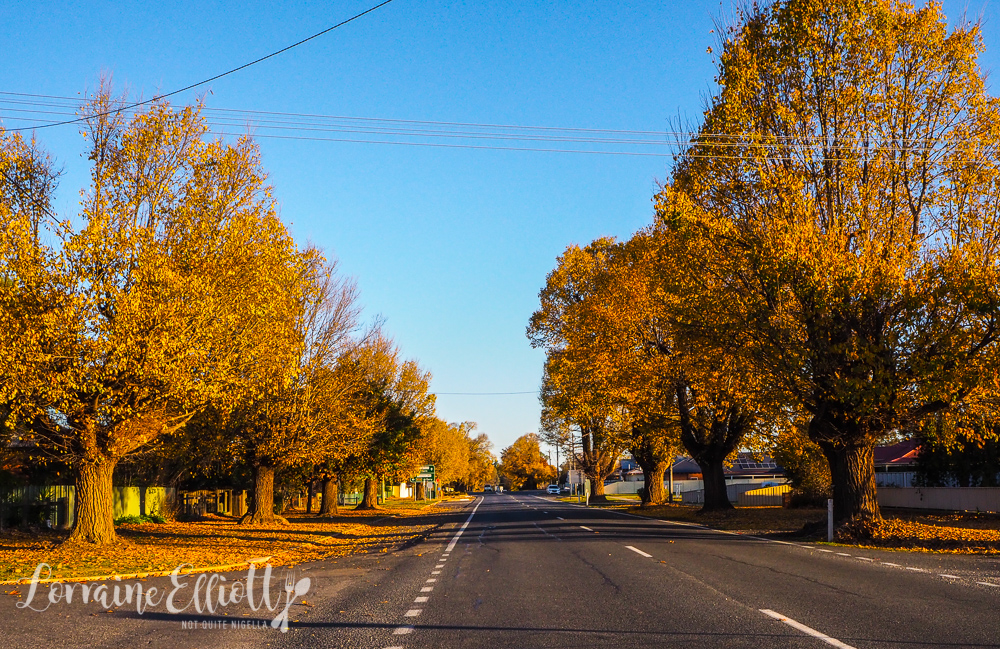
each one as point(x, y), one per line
point(829, 520)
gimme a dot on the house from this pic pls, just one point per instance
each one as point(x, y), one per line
point(745, 466)
point(896, 458)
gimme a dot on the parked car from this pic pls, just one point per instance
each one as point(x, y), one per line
point(552, 489)
point(488, 489)
point(565, 489)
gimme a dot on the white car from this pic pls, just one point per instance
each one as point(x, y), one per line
point(552, 489)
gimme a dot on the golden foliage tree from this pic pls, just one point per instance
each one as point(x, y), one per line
point(846, 180)
point(392, 410)
point(523, 464)
point(117, 330)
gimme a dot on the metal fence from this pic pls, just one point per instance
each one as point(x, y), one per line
point(736, 494)
point(55, 506)
point(36, 506)
point(900, 479)
point(976, 499)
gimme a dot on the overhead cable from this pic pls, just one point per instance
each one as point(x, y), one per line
point(208, 80)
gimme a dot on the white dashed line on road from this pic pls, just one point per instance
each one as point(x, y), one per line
point(413, 612)
point(864, 559)
point(638, 551)
point(560, 518)
point(986, 583)
point(402, 630)
point(454, 540)
point(440, 565)
point(888, 563)
point(435, 572)
point(805, 629)
point(426, 589)
point(916, 569)
point(948, 576)
point(431, 581)
point(843, 554)
point(584, 527)
point(822, 550)
point(420, 600)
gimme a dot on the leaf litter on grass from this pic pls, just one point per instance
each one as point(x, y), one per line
point(151, 547)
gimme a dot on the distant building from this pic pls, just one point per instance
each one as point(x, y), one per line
point(897, 458)
point(744, 466)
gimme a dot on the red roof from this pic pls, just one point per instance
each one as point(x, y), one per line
point(901, 454)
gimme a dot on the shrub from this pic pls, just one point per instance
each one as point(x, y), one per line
point(131, 519)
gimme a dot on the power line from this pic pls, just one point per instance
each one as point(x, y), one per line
point(282, 125)
point(485, 393)
point(210, 79)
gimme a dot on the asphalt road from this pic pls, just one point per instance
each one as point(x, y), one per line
point(522, 570)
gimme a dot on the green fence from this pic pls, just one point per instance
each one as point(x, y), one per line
point(55, 506)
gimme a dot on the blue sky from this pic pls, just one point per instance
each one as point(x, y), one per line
point(450, 245)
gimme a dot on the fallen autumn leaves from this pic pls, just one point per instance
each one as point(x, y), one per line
point(150, 547)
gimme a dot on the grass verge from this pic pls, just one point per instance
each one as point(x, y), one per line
point(152, 547)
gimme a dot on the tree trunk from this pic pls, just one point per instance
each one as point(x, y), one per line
point(853, 471)
point(370, 501)
point(95, 503)
point(329, 504)
point(262, 510)
point(714, 476)
point(597, 491)
point(420, 491)
point(309, 496)
point(655, 494)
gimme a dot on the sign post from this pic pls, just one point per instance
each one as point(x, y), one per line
point(424, 475)
point(829, 520)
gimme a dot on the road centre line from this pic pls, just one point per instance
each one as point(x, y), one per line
point(748, 536)
point(421, 600)
point(413, 612)
point(427, 589)
point(986, 583)
point(402, 630)
point(638, 551)
point(805, 629)
point(454, 540)
point(430, 581)
point(586, 528)
point(560, 518)
point(948, 576)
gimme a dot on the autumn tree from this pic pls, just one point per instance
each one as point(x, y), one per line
point(625, 325)
point(449, 448)
point(392, 409)
point(845, 179)
point(121, 324)
point(524, 465)
point(802, 459)
point(482, 463)
point(293, 408)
